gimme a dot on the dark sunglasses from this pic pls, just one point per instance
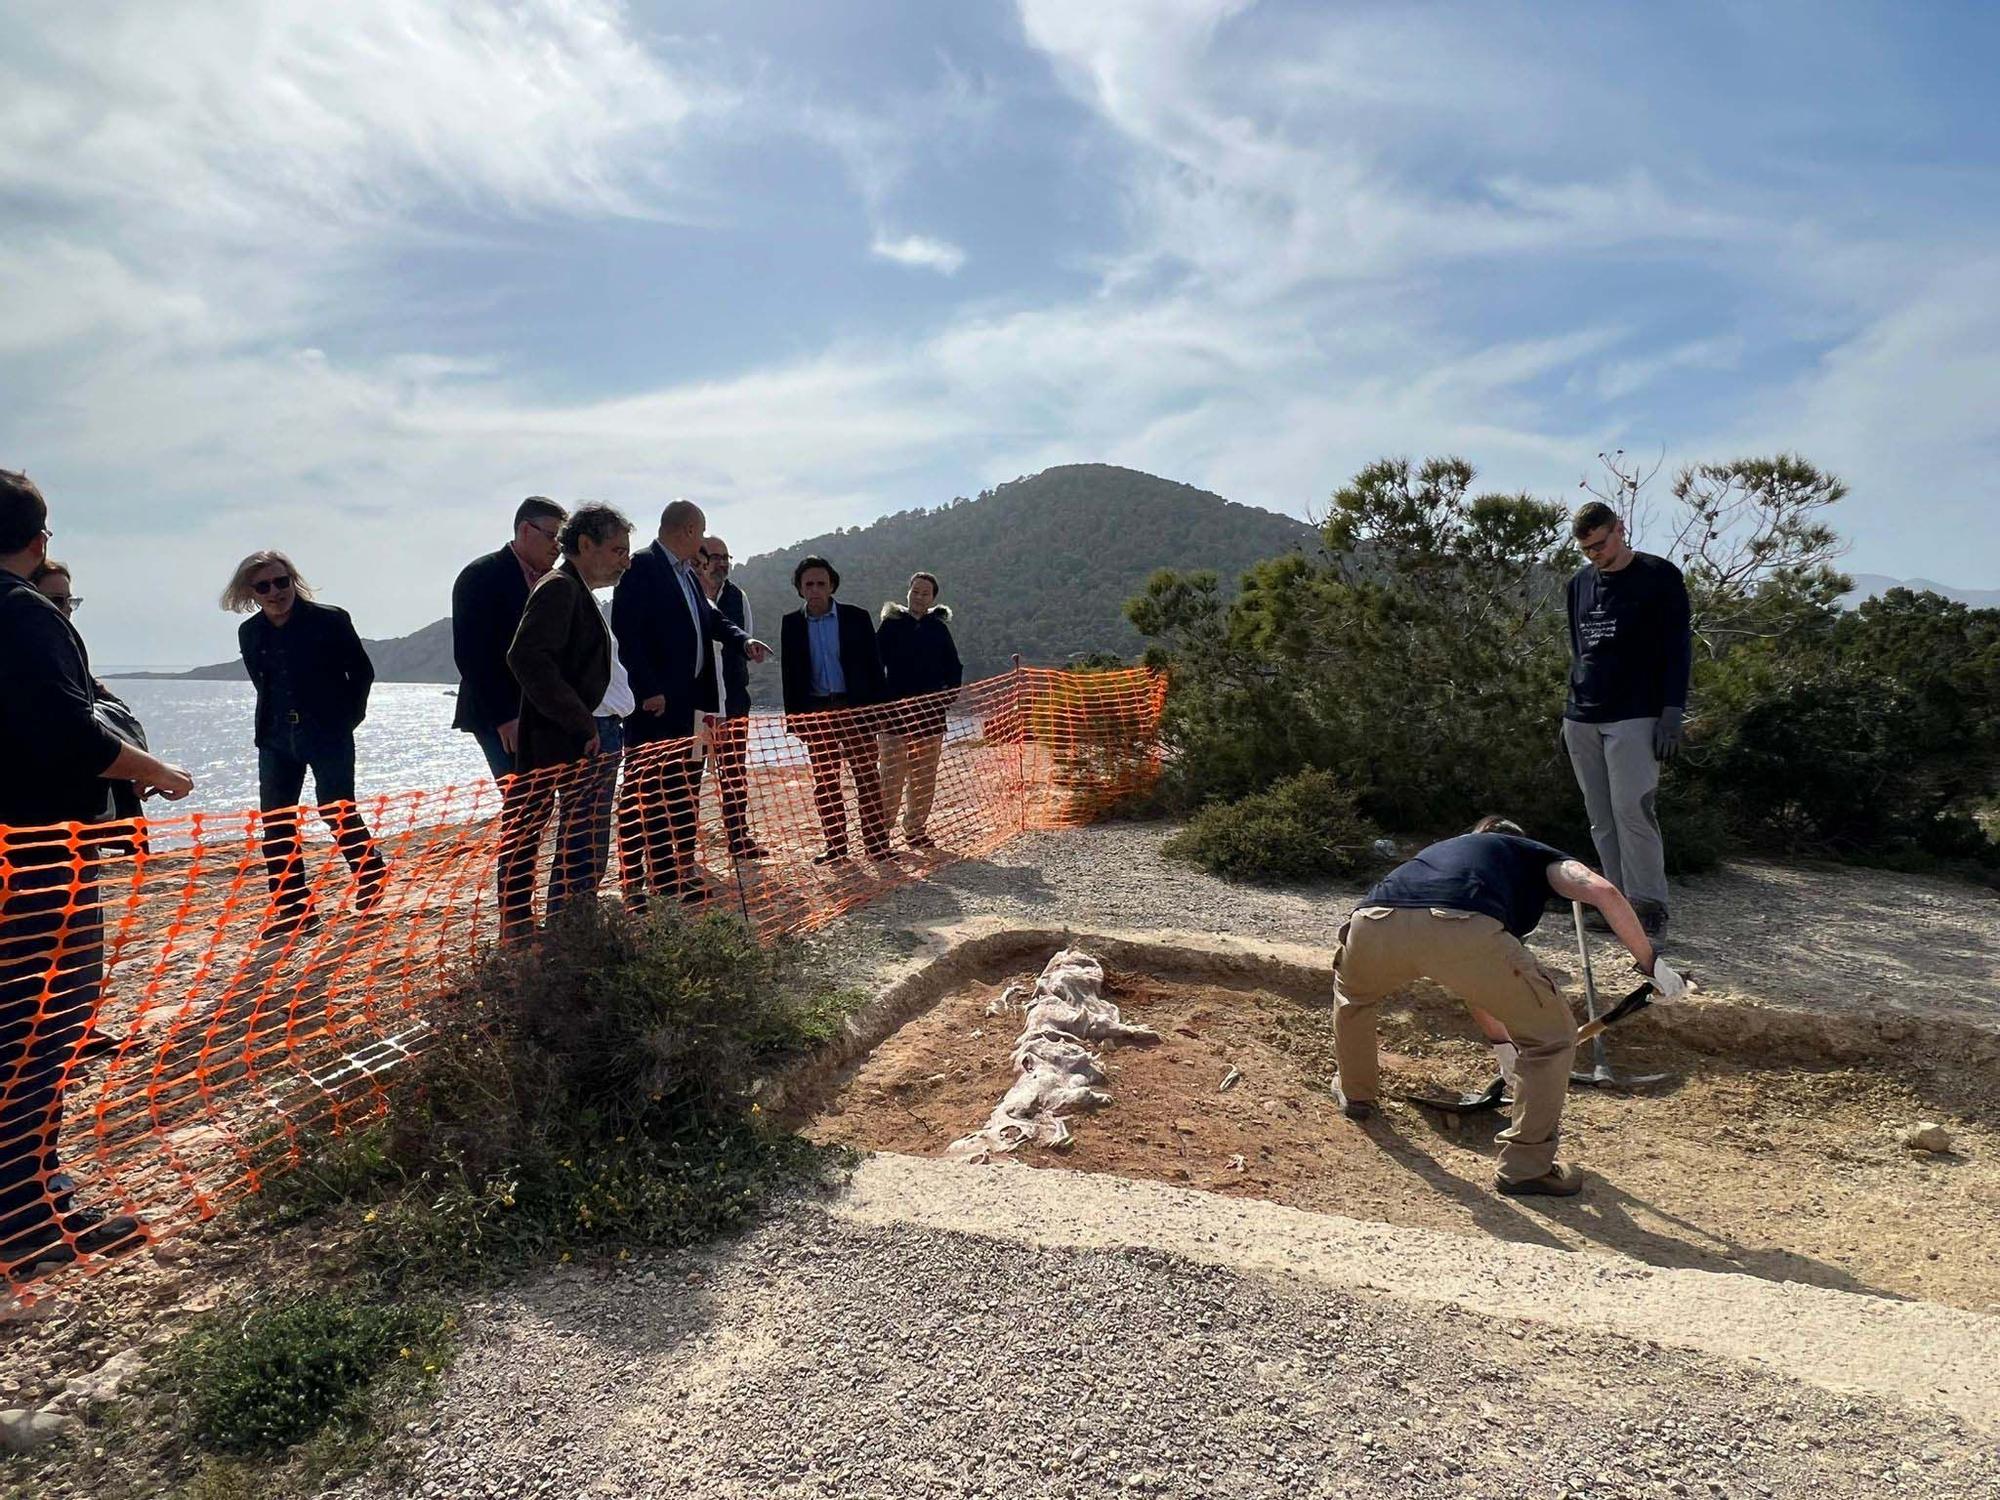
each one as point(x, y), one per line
point(69, 604)
point(265, 585)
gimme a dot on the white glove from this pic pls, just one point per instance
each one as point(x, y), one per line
point(1667, 985)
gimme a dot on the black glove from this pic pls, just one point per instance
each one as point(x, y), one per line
point(1668, 734)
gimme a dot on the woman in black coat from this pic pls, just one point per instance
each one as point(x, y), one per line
point(920, 662)
point(312, 677)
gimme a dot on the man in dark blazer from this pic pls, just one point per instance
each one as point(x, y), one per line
point(731, 728)
point(666, 631)
point(57, 763)
point(833, 675)
point(562, 657)
point(486, 605)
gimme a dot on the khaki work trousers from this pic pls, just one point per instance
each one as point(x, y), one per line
point(910, 761)
point(1382, 949)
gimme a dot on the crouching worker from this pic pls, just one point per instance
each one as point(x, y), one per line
point(1456, 914)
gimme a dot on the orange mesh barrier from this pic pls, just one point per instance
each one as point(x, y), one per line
point(182, 998)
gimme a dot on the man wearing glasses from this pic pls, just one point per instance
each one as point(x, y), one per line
point(57, 766)
point(731, 729)
point(486, 605)
point(1631, 652)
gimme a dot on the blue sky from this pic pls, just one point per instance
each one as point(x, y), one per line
point(350, 280)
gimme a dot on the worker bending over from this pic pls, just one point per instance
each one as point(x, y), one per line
point(1456, 914)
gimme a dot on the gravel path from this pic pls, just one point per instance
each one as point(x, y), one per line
point(823, 1358)
point(1825, 937)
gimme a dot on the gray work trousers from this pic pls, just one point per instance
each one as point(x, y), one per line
point(1615, 766)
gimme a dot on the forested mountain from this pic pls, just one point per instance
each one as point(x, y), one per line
point(1042, 566)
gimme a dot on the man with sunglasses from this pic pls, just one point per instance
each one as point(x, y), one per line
point(486, 605)
point(1631, 654)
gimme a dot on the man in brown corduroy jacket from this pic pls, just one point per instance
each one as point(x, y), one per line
point(565, 658)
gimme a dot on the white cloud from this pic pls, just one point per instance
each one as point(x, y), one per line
point(920, 250)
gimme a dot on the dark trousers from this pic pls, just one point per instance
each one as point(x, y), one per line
point(281, 778)
point(584, 793)
point(499, 759)
point(51, 978)
point(658, 820)
point(730, 740)
point(832, 738)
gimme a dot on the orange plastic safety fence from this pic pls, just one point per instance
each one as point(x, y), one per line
point(182, 999)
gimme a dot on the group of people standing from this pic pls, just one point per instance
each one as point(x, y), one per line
point(549, 678)
point(552, 679)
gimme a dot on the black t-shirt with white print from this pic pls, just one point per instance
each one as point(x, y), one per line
point(1630, 650)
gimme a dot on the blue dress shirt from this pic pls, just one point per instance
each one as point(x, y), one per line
point(823, 635)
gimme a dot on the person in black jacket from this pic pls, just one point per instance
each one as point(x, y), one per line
point(666, 628)
point(312, 677)
point(486, 605)
point(832, 672)
point(921, 667)
point(57, 766)
point(730, 728)
point(1631, 654)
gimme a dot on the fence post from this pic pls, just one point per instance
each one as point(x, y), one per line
point(1016, 678)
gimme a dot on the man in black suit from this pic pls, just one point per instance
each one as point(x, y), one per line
point(486, 605)
point(833, 673)
point(57, 764)
point(666, 631)
point(730, 728)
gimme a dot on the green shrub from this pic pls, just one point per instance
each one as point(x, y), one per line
point(1304, 827)
point(258, 1384)
point(598, 1090)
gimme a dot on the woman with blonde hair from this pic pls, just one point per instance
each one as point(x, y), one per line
point(312, 677)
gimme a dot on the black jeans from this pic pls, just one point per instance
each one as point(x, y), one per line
point(51, 979)
point(658, 819)
point(281, 778)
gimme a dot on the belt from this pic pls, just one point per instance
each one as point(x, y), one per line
point(830, 700)
point(293, 716)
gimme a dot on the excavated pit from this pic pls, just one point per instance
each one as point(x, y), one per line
point(1774, 1150)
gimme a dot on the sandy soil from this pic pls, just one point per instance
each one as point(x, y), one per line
point(1789, 1171)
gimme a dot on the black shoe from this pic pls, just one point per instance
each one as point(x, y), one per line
point(372, 887)
point(884, 854)
point(694, 895)
point(1558, 1182)
point(749, 851)
point(43, 1246)
point(1593, 921)
point(288, 924)
point(920, 841)
point(1354, 1109)
point(831, 857)
point(98, 1044)
point(1652, 919)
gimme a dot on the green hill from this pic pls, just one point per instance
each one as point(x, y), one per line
point(1042, 566)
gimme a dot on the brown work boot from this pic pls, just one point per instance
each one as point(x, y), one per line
point(1558, 1182)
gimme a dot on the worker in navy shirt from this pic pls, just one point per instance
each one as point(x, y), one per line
point(1456, 915)
point(1631, 651)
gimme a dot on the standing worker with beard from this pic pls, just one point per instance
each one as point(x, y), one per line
point(1631, 654)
